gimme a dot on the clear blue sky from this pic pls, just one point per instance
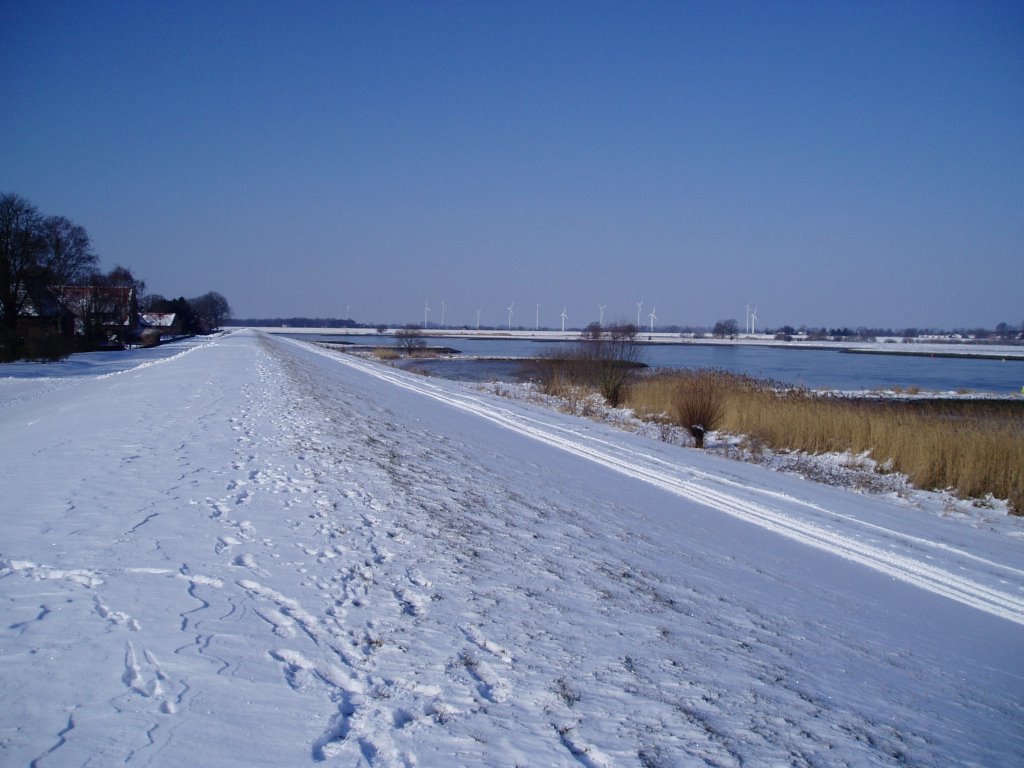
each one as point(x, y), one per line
point(851, 163)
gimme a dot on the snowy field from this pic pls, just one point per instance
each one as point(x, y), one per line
point(251, 551)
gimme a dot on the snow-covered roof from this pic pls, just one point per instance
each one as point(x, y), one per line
point(158, 319)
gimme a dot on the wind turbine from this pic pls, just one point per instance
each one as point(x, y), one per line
point(653, 318)
point(564, 318)
point(510, 315)
point(478, 319)
point(753, 320)
point(600, 309)
point(443, 303)
point(746, 327)
point(426, 308)
point(639, 305)
point(538, 317)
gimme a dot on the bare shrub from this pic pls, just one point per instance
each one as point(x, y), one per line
point(613, 359)
point(410, 339)
point(385, 353)
point(605, 362)
point(698, 403)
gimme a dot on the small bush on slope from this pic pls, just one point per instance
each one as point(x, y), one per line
point(604, 361)
point(698, 402)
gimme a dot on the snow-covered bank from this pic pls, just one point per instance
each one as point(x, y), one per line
point(264, 553)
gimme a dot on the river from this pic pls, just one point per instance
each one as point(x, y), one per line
point(813, 368)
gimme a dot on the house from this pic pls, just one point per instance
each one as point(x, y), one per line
point(41, 307)
point(104, 313)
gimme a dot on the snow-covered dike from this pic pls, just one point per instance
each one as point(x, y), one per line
point(261, 553)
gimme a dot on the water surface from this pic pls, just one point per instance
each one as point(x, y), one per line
point(813, 368)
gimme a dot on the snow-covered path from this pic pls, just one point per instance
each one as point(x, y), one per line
point(260, 553)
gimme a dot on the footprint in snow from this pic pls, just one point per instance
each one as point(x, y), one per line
point(224, 544)
point(135, 676)
point(412, 604)
point(475, 636)
point(246, 560)
point(115, 617)
point(489, 684)
point(418, 579)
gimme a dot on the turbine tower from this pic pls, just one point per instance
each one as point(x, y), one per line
point(510, 315)
point(538, 317)
point(443, 303)
point(564, 318)
point(753, 321)
point(600, 317)
point(639, 306)
point(426, 308)
point(653, 318)
point(478, 319)
point(746, 326)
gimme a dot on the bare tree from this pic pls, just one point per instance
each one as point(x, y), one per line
point(623, 331)
point(605, 362)
point(106, 306)
point(211, 309)
point(122, 277)
point(725, 328)
point(410, 338)
point(21, 253)
point(613, 359)
point(1005, 331)
point(68, 257)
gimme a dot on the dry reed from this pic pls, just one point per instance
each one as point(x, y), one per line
point(974, 448)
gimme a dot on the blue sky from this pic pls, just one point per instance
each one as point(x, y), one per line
point(833, 164)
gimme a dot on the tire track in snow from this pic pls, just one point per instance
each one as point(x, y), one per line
point(907, 569)
point(785, 498)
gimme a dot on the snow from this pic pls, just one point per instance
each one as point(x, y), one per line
point(253, 551)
